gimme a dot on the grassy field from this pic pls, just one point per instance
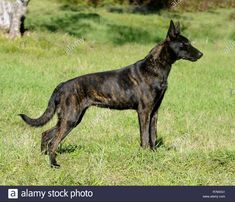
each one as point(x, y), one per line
point(196, 120)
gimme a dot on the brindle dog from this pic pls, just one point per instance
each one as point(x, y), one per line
point(140, 86)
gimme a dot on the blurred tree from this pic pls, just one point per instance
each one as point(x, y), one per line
point(151, 4)
point(12, 16)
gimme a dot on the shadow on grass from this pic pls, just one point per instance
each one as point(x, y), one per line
point(160, 142)
point(72, 7)
point(94, 26)
point(70, 148)
point(131, 9)
point(121, 34)
point(73, 24)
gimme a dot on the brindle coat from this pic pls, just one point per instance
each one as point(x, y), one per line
point(140, 86)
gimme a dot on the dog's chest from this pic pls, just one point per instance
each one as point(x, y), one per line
point(157, 89)
point(159, 85)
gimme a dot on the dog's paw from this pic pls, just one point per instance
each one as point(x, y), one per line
point(55, 166)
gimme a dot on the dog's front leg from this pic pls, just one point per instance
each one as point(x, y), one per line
point(144, 123)
point(153, 131)
point(153, 123)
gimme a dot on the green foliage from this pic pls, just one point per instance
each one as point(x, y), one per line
point(196, 121)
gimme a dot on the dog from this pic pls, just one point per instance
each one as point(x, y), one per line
point(140, 86)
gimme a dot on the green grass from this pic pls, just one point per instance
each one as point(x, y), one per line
point(196, 119)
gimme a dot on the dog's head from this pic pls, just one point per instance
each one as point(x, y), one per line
point(180, 45)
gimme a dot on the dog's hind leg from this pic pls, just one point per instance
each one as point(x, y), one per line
point(79, 119)
point(46, 137)
point(49, 134)
point(63, 130)
point(69, 117)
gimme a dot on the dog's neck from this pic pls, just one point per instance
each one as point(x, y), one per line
point(160, 59)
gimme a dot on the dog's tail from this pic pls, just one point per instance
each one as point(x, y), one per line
point(47, 115)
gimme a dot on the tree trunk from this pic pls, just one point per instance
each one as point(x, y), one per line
point(12, 16)
point(16, 23)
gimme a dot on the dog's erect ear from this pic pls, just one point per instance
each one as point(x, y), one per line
point(172, 31)
point(177, 29)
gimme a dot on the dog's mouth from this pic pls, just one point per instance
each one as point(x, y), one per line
point(193, 59)
point(190, 59)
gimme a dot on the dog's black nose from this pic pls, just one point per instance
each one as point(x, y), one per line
point(200, 54)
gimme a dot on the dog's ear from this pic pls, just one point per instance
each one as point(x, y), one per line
point(177, 29)
point(171, 34)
